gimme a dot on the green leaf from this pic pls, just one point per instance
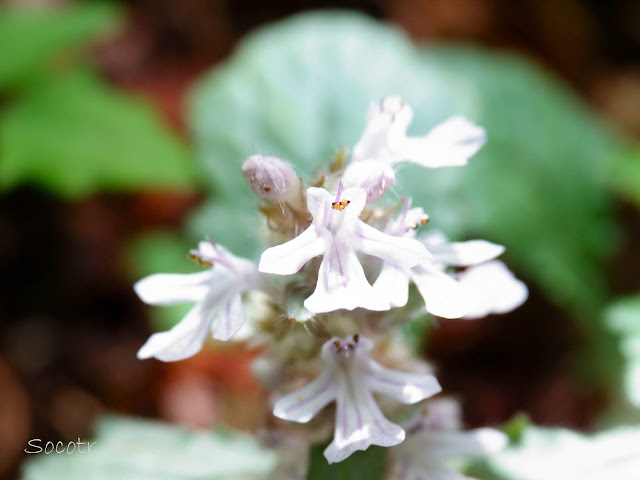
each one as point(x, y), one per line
point(625, 177)
point(515, 428)
point(230, 225)
point(362, 465)
point(558, 454)
point(129, 449)
point(29, 36)
point(300, 90)
point(162, 252)
point(623, 317)
point(76, 136)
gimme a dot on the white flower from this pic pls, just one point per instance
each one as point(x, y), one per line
point(217, 293)
point(338, 235)
point(432, 442)
point(349, 378)
point(488, 286)
point(484, 288)
point(385, 143)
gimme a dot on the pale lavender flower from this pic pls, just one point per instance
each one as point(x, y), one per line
point(349, 378)
point(385, 143)
point(433, 441)
point(486, 287)
point(216, 292)
point(338, 235)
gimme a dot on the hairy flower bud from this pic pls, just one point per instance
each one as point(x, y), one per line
point(372, 176)
point(270, 178)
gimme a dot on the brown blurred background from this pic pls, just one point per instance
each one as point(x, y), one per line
point(70, 324)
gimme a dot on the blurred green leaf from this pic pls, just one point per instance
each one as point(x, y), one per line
point(162, 252)
point(128, 449)
point(625, 178)
point(300, 90)
point(362, 465)
point(515, 428)
point(234, 227)
point(623, 317)
point(31, 36)
point(558, 454)
point(76, 136)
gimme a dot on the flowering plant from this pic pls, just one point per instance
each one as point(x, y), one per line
point(323, 301)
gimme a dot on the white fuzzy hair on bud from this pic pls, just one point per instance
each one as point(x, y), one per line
point(271, 178)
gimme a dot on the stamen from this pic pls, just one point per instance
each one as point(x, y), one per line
point(423, 221)
point(405, 210)
point(356, 338)
point(195, 256)
point(209, 261)
point(339, 192)
point(340, 205)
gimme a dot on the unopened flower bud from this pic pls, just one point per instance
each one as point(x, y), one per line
point(372, 176)
point(270, 178)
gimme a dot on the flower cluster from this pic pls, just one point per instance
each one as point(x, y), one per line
point(341, 264)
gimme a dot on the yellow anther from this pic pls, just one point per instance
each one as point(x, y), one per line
point(340, 205)
point(200, 261)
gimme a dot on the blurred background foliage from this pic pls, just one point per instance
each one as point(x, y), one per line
point(120, 145)
point(62, 127)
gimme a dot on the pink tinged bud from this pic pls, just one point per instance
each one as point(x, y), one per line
point(270, 178)
point(372, 176)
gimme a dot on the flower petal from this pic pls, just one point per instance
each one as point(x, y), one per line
point(357, 199)
point(449, 144)
point(229, 318)
point(405, 387)
point(288, 258)
point(373, 176)
point(184, 340)
point(386, 122)
point(359, 424)
point(342, 283)
point(170, 288)
point(393, 284)
point(443, 296)
point(302, 405)
point(318, 201)
point(398, 252)
point(491, 288)
point(465, 254)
